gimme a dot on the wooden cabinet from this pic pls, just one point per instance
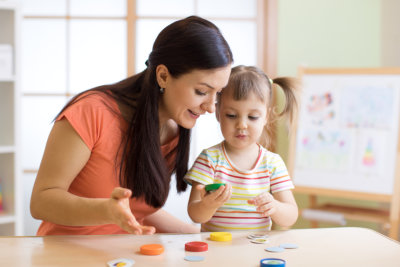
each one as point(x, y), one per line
point(10, 214)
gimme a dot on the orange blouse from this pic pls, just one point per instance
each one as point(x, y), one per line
point(97, 120)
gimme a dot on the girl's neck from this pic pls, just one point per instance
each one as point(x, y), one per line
point(243, 158)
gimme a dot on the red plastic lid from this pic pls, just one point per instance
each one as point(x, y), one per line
point(196, 246)
point(152, 249)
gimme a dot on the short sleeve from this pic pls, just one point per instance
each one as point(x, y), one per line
point(88, 116)
point(280, 179)
point(202, 170)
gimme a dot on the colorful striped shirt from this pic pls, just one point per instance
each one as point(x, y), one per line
point(268, 175)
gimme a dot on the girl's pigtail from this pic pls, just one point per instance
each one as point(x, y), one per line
point(290, 87)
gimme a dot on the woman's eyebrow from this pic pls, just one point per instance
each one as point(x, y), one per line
point(206, 84)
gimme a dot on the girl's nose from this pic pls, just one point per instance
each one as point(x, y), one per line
point(242, 124)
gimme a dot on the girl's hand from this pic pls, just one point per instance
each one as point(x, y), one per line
point(265, 203)
point(122, 215)
point(217, 198)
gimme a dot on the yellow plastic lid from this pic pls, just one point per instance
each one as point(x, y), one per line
point(221, 236)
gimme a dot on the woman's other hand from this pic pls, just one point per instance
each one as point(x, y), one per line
point(122, 214)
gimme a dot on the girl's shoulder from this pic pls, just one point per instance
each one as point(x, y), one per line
point(268, 155)
point(214, 150)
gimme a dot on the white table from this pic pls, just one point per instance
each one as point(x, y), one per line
point(348, 246)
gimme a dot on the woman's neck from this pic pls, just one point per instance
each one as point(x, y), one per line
point(168, 131)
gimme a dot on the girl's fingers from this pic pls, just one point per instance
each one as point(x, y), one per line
point(202, 190)
point(265, 207)
point(200, 187)
point(224, 193)
point(148, 230)
point(261, 199)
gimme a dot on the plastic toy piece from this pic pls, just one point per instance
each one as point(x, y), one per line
point(259, 240)
point(289, 246)
point(196, 246)
point(272, 262)
point(194, 258)
point(221, 236)
point(213, 187)
point(121, 262)
point(151, 249)
point(275, 249)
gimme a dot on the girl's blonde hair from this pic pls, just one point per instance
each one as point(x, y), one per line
point(250, 79)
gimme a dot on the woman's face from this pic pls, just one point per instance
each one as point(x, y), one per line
point(190, 95)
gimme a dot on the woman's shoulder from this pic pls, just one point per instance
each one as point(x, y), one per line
point(96, 98)
point(91, 104)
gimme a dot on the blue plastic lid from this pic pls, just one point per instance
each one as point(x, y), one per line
point(272, 262)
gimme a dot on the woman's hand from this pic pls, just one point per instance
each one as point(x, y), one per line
point(265, 203)
point(122, 214)
point(216, 198)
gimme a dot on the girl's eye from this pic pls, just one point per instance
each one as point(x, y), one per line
point(198, 92)
point(231, 116)
point(253, 118)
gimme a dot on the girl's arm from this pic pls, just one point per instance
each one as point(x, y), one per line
point(64, 157)
point(202, 205)
point(164, 222)
point(280, 206)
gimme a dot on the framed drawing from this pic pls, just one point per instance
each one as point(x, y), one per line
point(346, 140)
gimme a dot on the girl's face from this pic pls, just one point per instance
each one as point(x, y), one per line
point(242, 121)
point(187, 97)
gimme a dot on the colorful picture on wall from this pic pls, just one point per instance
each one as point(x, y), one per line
point(367, 107)
point(324, 149)
point(319, 107)
point(370, 156)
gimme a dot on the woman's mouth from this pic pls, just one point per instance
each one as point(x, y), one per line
point(193, 114)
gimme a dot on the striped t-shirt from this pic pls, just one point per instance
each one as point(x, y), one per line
point(268, 175)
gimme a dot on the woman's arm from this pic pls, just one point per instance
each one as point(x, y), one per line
point(164, 222)
point(202, 205)
point(64, 157)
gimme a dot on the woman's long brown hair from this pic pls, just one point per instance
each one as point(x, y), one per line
point(189, 44)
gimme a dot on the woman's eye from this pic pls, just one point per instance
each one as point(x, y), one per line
point(198, 92)
point(231, 116)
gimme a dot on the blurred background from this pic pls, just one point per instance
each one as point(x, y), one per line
point(62, 47)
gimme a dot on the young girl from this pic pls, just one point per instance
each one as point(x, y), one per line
point(258, 186)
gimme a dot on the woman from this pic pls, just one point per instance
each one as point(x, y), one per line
point(108, 160)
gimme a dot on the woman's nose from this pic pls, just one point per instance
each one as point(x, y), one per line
point(209, 105)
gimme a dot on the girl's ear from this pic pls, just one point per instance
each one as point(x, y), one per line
point(162, 75)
